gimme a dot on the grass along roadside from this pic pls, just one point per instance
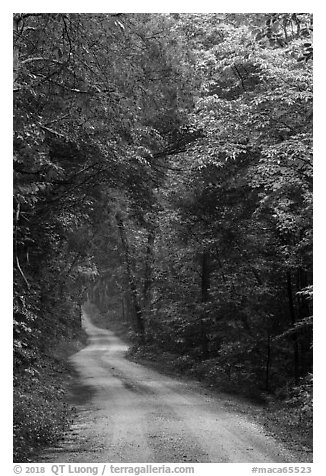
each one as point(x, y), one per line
point(42, 406)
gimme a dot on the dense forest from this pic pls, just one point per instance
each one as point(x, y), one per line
point(163, 171)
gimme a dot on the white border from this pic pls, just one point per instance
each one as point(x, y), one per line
point(319, 185)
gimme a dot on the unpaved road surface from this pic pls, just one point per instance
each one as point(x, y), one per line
point(135, 414)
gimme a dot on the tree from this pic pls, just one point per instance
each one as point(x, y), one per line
point(163, 167)
point(234, 248)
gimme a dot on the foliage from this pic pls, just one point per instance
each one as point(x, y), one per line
point(88, 92)
point(163, 170)
point(302, 399)
point(41, 410)
point(36, 420)
point(233, 216)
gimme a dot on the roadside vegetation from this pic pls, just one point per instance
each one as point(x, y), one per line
point(43, 407)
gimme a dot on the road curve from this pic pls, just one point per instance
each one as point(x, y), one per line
point(136, 415)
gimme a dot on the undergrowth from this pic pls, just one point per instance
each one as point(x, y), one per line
point(41, 410)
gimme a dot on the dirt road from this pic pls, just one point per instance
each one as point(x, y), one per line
point(135, 414)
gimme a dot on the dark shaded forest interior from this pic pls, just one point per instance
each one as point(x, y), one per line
point(163, 172)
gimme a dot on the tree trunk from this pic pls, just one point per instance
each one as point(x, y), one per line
point(303, 304)
point(204, 298)
point(295, 337)
point(139, 322)
point(268, 363)
point(304, 310)
point(148, 267)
